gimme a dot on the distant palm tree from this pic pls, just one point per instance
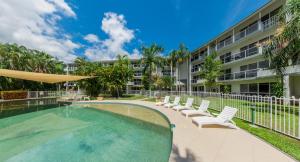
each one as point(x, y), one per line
point(182, 55)
point(151, 59)
point(172, 59)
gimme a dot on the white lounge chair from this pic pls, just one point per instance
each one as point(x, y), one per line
point(188, 105)
point(224, 118)
point(166, 100)
point(175, 103)
point(202, 110)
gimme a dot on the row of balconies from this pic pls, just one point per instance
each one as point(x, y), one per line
point(272, 21)
point(241, 55)
point(239, 75)
point(134, 83)
point(251, 74)
point(199, 57)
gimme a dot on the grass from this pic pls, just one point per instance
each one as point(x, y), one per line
point(284, 119)
point(284, 143)
point(289, 145)
point(124, 97)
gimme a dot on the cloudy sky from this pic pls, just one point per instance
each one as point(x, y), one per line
point(102, 29)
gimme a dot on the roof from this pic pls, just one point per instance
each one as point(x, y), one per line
point(40, 77)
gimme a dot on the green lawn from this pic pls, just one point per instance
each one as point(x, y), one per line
point(287, 144)
point(284, 120)
point(125, 97)
point(284, 143)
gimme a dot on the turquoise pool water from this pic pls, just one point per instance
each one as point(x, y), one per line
point(100, 132)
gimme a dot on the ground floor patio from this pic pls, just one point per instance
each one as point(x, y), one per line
point(214, 144)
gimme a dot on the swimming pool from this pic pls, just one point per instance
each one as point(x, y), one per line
point(94, 132)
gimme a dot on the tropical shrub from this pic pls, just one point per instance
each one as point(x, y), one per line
point(15, 57)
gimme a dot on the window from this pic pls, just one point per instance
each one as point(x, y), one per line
point(253, 88)
point(252, 66)
point(201, 88)
point(244, 68)
point(263, 64)
point(244, 88)
point(264, 18)
point(264, 88)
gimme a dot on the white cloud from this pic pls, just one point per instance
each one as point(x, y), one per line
point(92, 38)
point(33, 23)
point(114, 26)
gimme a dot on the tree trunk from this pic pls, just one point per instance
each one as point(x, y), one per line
point(171, 75)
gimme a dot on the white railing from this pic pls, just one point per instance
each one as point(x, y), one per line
point(272, 21)
point(249, 30)
point(241, 55)
point(43, 95)
point(225, 43)
point(239, 75)
point(278, 114)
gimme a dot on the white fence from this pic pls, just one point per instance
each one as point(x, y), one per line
point(278, 114)
point(44, 94)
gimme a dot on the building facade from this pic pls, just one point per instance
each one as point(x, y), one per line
point(240, 49)
point(136, 83)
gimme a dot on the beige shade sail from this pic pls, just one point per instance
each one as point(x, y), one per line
point(40, 77)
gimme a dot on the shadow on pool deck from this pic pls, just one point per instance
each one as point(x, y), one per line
point(176, 157)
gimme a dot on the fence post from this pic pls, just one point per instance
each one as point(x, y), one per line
point(253, 114)
point(271, 113)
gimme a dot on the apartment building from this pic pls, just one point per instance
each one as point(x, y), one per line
point(136, 83)
point(245, 69)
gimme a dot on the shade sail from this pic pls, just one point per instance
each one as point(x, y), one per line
point(40, 77)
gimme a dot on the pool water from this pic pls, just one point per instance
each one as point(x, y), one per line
point(100, 132)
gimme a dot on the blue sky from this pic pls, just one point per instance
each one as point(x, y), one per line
point(100, 29)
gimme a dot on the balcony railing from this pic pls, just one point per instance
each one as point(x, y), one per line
point(272, 21)
point(194, 70)
point(138, 66)
point(224, 43)
point(239, 75)
point(250, 29)
point(199, 58)
point(243, 54)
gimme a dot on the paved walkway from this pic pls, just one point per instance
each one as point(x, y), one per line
point(191, 144)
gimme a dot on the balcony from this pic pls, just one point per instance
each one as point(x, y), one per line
point(249, 30)
point(130, 83)
point(239, 75)
point(195, 70)
point(242, 55)
point(199, 58)
point(272, 21)
point(200, 81)
point(168, 73)
point(224, 43)
point(137, 66)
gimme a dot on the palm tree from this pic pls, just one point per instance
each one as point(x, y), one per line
point(13, 56)
point(284, 48)
point(182, 55)
point(151, 59)
point(172, 59)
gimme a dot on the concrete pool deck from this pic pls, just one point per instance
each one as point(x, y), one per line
point(213, 144)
